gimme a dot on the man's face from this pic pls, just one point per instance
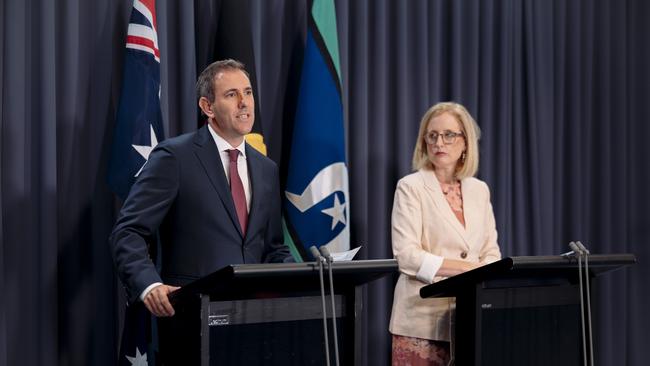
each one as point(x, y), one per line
point(233, 108)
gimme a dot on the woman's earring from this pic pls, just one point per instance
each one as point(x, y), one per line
point(462, 157)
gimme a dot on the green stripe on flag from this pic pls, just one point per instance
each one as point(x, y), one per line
point(324, 14)
point(288, 241)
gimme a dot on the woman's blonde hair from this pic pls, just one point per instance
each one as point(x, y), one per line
point(466, 167)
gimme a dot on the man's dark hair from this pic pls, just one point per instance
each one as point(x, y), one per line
point(205, 82)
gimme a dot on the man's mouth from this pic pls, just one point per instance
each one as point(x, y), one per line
point(243, 116)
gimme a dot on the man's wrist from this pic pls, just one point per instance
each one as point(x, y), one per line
point(148, 290)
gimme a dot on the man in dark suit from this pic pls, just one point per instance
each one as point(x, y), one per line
point(213, 200)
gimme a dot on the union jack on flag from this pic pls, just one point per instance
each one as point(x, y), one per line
point(138, 126)
point(143, 32)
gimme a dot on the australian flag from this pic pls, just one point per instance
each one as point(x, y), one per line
point(136, 337)
point(317, 203)
point(139, 120)
point(138, 129)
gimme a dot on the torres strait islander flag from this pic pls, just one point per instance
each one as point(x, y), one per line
point(316, 203)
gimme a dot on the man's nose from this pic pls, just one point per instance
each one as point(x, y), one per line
point(242, 99)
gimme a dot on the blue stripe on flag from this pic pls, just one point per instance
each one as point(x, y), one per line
point(139, 18)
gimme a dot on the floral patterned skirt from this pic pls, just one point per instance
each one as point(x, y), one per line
point(410, 351)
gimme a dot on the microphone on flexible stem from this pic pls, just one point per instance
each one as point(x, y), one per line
point(579, 252)
point(320, 260)
point(575, 249)
point(582, 247)
point(586, 254)
point(328, 256)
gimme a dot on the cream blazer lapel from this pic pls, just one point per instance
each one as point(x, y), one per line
point(435, 192)
point(474, 211)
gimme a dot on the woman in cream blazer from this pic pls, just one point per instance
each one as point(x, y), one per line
point(442, 225)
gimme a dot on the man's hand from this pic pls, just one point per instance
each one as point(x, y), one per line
point(157, 301)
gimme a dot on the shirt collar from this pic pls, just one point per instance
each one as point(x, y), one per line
point(223, 145)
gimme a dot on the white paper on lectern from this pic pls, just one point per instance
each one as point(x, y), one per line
point(345, 256)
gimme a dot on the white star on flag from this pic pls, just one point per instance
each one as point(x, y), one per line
point(145, 150)
point(139, 359)
point(336, 211)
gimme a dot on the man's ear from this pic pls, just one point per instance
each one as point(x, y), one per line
point(204, 104)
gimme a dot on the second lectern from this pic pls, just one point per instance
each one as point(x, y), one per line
point(521, 310)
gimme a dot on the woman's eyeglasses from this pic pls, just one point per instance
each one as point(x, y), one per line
point(448, 137)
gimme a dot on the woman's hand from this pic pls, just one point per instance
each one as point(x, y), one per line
point(452, 267)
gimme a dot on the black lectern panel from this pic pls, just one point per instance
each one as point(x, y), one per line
point(277, 343)
point(537, 325)
point(271, 314)
point(521, 310)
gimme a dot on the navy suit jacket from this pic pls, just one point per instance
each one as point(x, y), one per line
point(183, 195)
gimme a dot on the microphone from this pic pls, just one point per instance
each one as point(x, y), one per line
point(326, 253)
point(582, 252)
point(586, 254)
point(575, 249)
point(316, 254)
point(583, 248)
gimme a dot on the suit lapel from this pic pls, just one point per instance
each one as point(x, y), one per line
point(434, 190)
point(257, 187)
point(208, 154)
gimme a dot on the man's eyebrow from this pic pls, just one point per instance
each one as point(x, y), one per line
point(235, 89)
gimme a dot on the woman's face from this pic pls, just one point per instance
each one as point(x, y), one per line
point(445, 149)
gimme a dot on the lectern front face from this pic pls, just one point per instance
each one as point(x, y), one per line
point(271, 314)
point(528, 326)
point(525, 310)
point(272, 331)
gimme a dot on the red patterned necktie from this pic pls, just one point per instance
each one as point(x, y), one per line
point(237, 190)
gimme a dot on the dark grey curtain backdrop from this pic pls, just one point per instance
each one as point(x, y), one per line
point(561, 90)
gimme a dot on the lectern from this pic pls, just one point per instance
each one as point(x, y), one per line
point(521, 310)
point(271, 314)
